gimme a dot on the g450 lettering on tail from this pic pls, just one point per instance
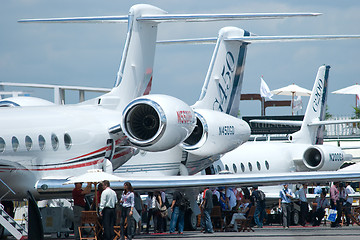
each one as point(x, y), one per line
point(225, 82)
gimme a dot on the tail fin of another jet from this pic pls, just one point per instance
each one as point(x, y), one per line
point(222, 87)
point(315, 111)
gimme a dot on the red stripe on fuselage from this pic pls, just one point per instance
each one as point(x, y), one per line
point(71, 166)
point(101, 149)
point(122, 153)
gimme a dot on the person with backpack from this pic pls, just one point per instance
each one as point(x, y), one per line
point(207, 206)
point(178, 212)
point(258, 198)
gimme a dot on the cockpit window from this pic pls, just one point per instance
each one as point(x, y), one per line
point(41, 142)
point(15, 143)
point(2, 145)
point(218, 168)
point(28, 143)
point(67, 141)
point(226, 167)
point(54, 142)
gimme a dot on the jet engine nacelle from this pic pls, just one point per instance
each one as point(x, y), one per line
point(157, 122)
point(324, 158)
point(215, 133)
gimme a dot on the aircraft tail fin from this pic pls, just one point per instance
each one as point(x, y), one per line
point(315, 111)
point(223, 82)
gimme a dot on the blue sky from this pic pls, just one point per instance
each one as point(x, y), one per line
point(89, 54)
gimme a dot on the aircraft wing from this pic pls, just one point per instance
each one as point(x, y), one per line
point(52, 187)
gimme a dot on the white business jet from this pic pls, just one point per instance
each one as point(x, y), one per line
point(53, 143)
point(221, 92)
point(304, 150)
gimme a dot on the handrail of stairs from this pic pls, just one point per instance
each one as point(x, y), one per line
point(10, 190)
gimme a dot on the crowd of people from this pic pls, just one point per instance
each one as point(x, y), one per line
point(234, 203)
point(340, 201)
point(128, 210)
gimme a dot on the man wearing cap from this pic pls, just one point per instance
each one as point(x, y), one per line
point(284, 203)
point(78, 195)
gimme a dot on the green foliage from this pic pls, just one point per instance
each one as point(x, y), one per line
point(357, 112)
point(327, 114)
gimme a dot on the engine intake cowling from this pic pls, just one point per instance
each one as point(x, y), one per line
point(215, 133)
point(157, 122)
point(324, 158)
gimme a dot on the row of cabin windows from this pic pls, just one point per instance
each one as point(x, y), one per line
point(41, 140)
point(242, 166)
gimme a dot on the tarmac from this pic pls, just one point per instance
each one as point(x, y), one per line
point(268, 232)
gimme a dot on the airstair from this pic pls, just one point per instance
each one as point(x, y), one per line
point(8, 222)
point(11, 225)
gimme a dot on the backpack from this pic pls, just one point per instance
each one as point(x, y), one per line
point(184, 202)
point(261, 196)
point(166, 203)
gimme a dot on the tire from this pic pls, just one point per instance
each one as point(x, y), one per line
point(190, 220)
point(295, 217)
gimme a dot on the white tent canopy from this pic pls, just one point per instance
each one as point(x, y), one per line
point(292, 90)
point(353, 89)
point(94, 176)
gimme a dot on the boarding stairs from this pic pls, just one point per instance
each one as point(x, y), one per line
point(8, 222)
point(11, 225)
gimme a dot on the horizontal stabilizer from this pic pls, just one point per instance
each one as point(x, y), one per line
point(298, 123)
point(331, 122)
point(172, 18)
point(350, 148)
point(221, 17)
point(278, 122)
point(211, 40)
point(261, 39)
point(100, 19)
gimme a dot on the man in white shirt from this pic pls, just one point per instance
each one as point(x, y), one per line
point(107, 210)
point(284, 204)
point(348, 203)
point(230, 198)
